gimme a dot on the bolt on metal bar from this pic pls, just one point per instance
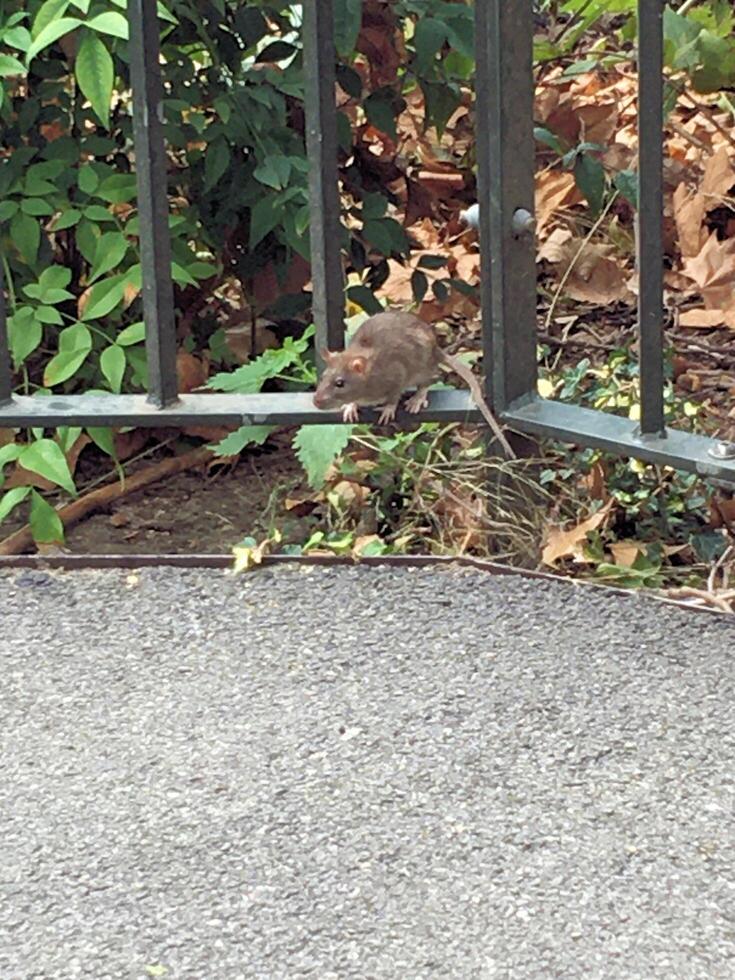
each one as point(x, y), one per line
point(321, 146)
point(505, 145)
point(6, 381)
point(151, 169)
point(650, 214)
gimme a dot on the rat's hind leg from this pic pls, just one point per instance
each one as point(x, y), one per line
point(350, 412)
point(418, 401)
point(388, 413)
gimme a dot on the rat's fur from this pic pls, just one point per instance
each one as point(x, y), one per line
point(388, 354)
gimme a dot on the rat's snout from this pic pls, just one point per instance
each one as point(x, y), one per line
point(317, 399)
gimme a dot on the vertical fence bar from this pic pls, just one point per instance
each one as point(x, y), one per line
point(6, 381)
point(321, 147)
point(650, 214)
point(505, 145)
point(151, 169)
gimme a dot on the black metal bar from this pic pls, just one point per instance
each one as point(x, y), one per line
point(277, 408)
point(505, 146)
point(151, 168)
point(321, 146)
point(6, 380)
point(650, 213)
point(615, 434)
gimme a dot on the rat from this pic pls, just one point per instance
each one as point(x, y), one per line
point(389, 353)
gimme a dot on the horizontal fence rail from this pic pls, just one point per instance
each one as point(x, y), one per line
point(504, 123)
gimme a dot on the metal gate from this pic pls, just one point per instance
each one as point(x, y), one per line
point(505, 141)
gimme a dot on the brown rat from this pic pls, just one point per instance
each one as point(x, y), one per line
point(389, 353)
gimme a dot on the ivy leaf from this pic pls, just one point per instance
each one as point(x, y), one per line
point(46, 458)
point(380, 109)
point(317, 447)
point(246, 435)
point(66, 220)
point(111, 249)
point(112, 365)
point(75, 343)
point(109, 23)
point(347, 20)
point(26, 235)
point(117, 189)
point(46, 526)
point(365, 298)
point(96, 75)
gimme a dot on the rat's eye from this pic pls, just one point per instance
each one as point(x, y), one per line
point(339, 382)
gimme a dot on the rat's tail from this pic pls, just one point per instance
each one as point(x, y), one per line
point(467, 375)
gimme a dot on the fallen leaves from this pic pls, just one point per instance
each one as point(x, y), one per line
point(570, 543)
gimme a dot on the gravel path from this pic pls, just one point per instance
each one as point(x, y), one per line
point(362, 773)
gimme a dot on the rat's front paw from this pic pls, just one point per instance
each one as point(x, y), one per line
point(418, 401)
point(350, 412)
point(387, 414)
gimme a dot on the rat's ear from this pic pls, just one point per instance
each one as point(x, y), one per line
point(326, 355)
point(357, 364)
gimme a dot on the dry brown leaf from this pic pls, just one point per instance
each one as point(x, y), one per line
point(702, 318)
point(713, 270)
point(191, 371)
point(570, 544)
point(361, 542)
point(718, 179)
point(554, 189)
point(595, 277)
point(626, 552)
point(689, 211)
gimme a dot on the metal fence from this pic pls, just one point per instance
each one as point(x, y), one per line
point(505, 142)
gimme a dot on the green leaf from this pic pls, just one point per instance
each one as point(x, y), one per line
point(544, 135)
point(46, 458)
point(67, 219)
point(109, 23)
point(103, 297)
point(428, 39)
point(216, 162)
point(347, 20)
point(419, 285)
point(46, 526)
point(118, 188)
point(18, 37)
point(8, 209)
point(440, 99)
point(55, 277)
point(263, 218)
point(111, 249)
point(24, 334)
point(365, 299)
point(51, 33)
point(95, 73)
point(26, 235)
point(10, 66)
point(132, 334)
point(49, 11)
point(386, 235)
point(102, 437)
point(75, 343)
point(274, 172)
point(380, 110)
point(10, 500)
point(49, 314)
point(626, 182)
point(88, 178)
point(36, 207)
point(590, 177)
point(246, 435)
point(112, 365)
point(317, 447)
point(98, 214)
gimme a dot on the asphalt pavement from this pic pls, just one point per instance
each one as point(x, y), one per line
point(362, 773)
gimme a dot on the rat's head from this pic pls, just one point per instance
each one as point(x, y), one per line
point(343, 379)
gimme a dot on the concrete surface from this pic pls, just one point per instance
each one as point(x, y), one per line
point(362, 773)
